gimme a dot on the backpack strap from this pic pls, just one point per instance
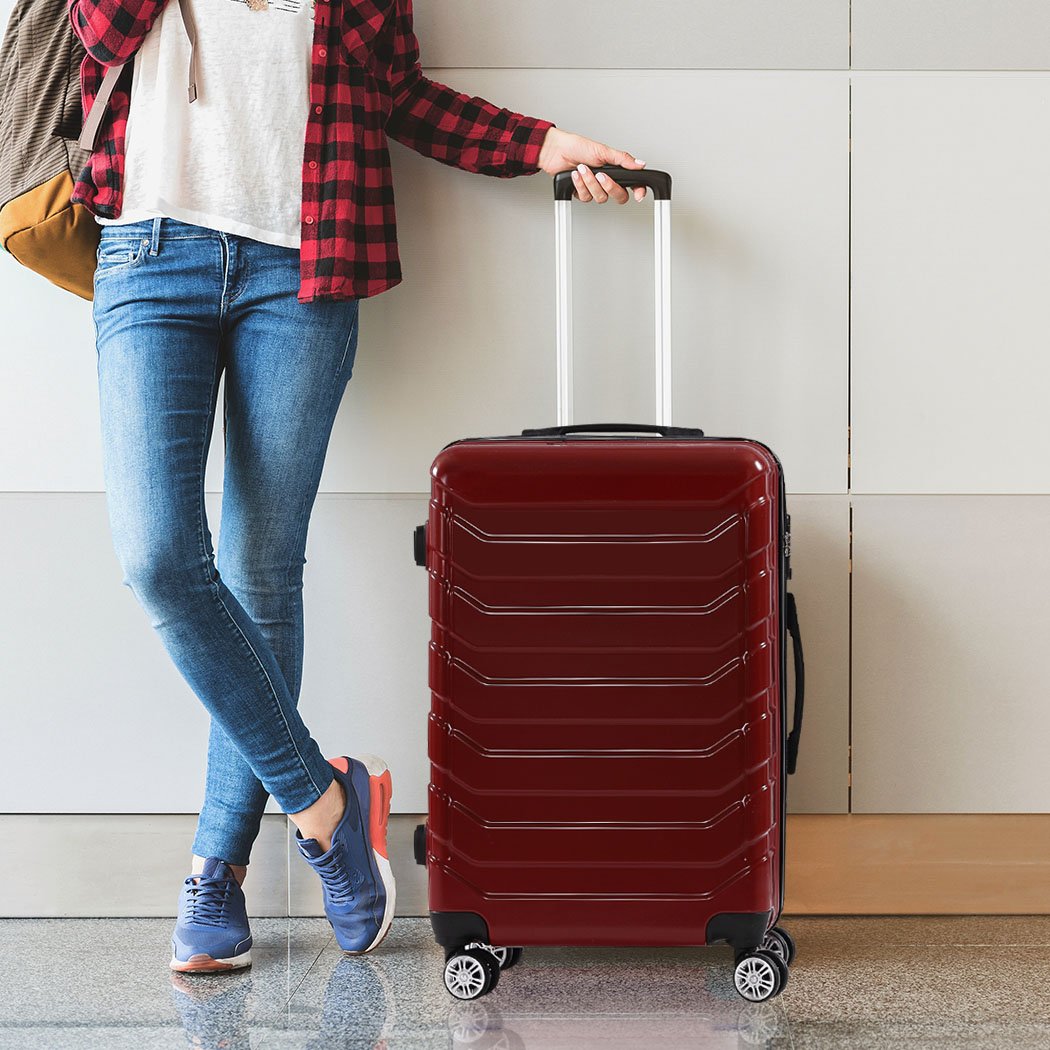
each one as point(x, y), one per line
point(89, 132)
point(191, 32)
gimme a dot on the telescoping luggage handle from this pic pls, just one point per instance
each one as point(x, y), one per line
point(660, 183)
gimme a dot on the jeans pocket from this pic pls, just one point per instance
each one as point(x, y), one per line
point(117, 253)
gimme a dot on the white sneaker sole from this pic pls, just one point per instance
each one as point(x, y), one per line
point(203, 963)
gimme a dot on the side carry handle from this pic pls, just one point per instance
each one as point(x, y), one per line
point(601, 428)
point(791, 617)
point(419, 544)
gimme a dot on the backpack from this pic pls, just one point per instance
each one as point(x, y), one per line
point(45, 140)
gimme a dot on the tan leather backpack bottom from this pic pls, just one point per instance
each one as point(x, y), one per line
point(53, 237)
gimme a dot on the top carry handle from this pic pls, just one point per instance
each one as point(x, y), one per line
point(660, 183)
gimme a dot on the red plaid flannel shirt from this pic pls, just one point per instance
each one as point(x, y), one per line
point(365, 84)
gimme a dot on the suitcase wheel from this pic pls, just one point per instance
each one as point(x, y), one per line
point(759, 975)
point(471, 972)
point(780, 943)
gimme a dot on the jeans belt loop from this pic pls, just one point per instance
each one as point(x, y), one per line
point(154, 244)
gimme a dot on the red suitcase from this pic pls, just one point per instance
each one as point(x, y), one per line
point(608, 732)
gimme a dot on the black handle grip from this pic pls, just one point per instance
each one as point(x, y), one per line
point(791, 617)
point(419, 544)
point(658, 181)
point(600, 428)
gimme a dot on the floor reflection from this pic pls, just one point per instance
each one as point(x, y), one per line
point(858, 984)
point(483, 1026)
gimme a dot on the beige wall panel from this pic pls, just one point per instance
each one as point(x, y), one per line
point(950, 628)
point(97, 718)
point(48, 386)
point(696, 34)
point(951, 34)
point(951, 330)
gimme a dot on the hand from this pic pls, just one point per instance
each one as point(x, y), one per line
point(562, 150)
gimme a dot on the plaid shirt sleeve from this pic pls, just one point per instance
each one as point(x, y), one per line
point(457, 129)
point(112, 30)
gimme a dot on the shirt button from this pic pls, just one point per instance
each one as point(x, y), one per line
point(317, 109)
point(313, 164)
point(309, 219)
point(322, 52)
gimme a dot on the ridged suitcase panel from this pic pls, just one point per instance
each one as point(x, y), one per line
point(619, 858)
point(605, 734)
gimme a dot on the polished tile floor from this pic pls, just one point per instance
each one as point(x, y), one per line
point(857, 983)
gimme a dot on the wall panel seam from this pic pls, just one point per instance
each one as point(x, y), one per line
point(849, 410)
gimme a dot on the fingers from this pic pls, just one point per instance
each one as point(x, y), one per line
point(615, 191)
point(599, 188)
point(594, 188)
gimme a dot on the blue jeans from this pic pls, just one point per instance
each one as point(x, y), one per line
point(174, 306)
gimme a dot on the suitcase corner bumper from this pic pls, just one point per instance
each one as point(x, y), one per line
point(454, 929)
point(742, 930)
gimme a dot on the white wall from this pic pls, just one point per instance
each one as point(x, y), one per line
point(935, 352)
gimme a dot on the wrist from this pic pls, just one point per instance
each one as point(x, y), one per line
point(551, 149)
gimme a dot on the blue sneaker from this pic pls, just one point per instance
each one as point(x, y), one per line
point(212, 929)
point(356, 879)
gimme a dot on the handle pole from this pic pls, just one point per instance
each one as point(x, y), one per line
point(662, 220)
point(563, 222)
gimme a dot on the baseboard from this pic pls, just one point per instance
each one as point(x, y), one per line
point(55, 870)
point(895, 864)
point(918, 864)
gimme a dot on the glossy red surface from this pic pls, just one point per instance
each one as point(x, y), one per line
point(605, 728)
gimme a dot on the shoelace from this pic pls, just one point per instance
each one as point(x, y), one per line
point(339, 877)
point(207, 901)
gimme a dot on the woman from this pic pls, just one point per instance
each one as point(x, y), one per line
point(232, 242)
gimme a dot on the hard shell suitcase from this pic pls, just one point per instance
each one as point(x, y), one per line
point(608, 735)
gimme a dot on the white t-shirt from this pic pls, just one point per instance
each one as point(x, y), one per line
point(232, 159)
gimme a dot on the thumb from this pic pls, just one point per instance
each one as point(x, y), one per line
point(623, 159)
